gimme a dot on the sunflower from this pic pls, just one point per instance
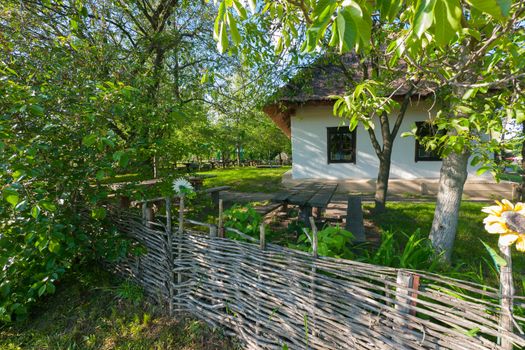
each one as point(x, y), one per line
point(503, 219)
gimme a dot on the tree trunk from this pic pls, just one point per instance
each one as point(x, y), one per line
point(238, 155)
point(382, 182)
point(452, 178)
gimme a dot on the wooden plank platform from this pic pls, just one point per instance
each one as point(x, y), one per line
point(323, 196)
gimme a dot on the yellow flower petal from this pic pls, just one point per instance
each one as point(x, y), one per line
point(492, 219)
point(492, 210)
point(520, 243)
point(519, 206)
point(508, 239)
point(496, 227)
point(507, 205)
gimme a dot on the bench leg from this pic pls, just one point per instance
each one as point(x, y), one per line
point(304, 214)
point(215, 198)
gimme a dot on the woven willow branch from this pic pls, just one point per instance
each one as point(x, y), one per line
point(276, 296)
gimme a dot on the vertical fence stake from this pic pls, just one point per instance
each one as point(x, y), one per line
point(181, 214)
point(213, 231)
point(314, 236)
point(314, 272)
point(405, 281)
point(179, 234)
point(221, 223)
point(144, 212)
point(262, 246)
point(507, 294)
point(169, 254)
point(262, 237)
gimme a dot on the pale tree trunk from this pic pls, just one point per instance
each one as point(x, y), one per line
point(452, 178)
point(382, 182)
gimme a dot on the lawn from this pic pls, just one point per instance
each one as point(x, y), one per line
point(92, 309)
point(246, 179)
point(468, 250)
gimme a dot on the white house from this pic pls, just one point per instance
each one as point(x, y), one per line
point(324, 148)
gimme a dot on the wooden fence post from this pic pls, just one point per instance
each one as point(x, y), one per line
point(221, 219)
point(181, 215)
point(179, 234)
point(144, 210)
point(169, 255)
point(314, 272)
point(506, 301)
point(406, 281)
point(262, 237)
point(314, 237)
point(213, 231)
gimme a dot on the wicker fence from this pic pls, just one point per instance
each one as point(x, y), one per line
point(273, 298)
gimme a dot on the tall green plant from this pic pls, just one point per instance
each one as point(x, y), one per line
point(416, 253)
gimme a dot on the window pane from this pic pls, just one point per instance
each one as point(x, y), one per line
point(341, 145)
point(425, 129)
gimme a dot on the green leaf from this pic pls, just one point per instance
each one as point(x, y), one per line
point(35, 211)
point(98, 213)
point(48, 206)
point(347, 30)
point(11, 196)
point(21, 206)
point(321, 7)
point(236, 37)
point(73, 25)
point(222, 44)
point(520, 115)
point(447, 20)
point(423, 17)
point(54, 246)
point(473, 332)
point(469, 93)
point(89, 140)
point(240, 10)
point(363, 23)
point(50, 288)
point(498, 9)
point(41, 290)
point(36, 110)
point(100, 175)
point(483, 170)
point(498, 260)
point(5, 288)
point(253, 5)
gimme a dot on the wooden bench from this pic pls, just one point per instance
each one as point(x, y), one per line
point(307, 196)
point(215, 192)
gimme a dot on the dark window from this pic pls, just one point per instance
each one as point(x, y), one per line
point(341, 145)
point(422, 154)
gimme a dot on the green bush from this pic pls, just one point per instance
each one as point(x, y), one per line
point(331, 241)
point(417, 253)
point(54, 153)
point(243, 218)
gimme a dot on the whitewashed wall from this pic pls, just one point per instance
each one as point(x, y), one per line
point(309, 149)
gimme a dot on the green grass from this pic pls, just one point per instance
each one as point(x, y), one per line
point(93, 310)
point(468, 250)
point(514, 177)
point(247, 179)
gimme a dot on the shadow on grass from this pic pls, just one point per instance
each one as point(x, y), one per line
point(93, 310)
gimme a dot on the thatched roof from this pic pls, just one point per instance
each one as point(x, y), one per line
point(317, 84)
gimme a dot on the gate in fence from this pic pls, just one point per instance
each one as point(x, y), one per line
point(272, 297)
